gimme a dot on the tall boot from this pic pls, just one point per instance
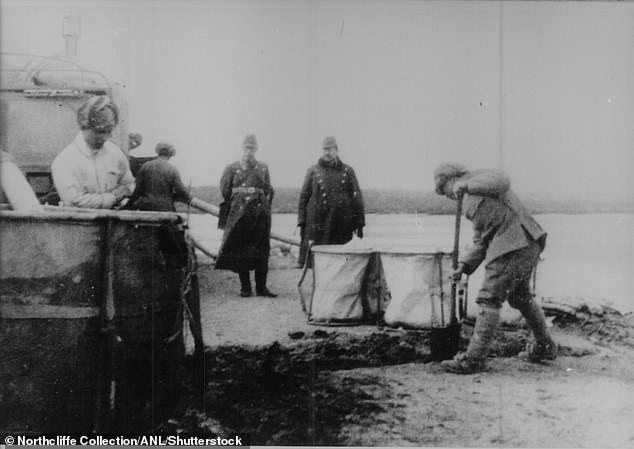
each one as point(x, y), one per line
point(544, 347)
point(245, 283)
point(474, 359)
point(260, 285)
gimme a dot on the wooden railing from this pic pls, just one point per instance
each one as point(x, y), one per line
point(214, 210)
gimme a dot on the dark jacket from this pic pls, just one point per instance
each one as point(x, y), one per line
point(245, 243)
point(330, 204)
point(158, 186)
point(501, 223)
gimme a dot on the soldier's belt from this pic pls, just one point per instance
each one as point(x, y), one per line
point(249, 190)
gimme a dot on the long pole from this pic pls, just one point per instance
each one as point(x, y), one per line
point(213, 210)
point(201, 247)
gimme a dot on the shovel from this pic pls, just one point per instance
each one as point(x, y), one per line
point(445, 341)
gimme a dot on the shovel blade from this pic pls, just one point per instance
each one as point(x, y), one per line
point(444, 342)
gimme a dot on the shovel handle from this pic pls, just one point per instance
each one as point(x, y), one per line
point(454, 261)
point(301, 281)
point(456, 235)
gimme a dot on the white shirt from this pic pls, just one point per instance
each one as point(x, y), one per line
point(85, 177)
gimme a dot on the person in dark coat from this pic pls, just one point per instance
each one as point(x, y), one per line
point(246, 187)
point(330, 207)
point(158, 187)
point(509, 241)
point(158, 183)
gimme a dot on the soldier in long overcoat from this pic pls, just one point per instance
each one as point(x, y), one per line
point(330, 203)
point(509, 241)
point(246, 188)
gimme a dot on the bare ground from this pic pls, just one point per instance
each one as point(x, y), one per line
point(271, 375)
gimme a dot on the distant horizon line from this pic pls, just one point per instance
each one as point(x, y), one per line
point(549, 195)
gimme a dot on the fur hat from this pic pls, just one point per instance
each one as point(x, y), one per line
point(96, 112)
point(250, 141)
point(445, 172)
point(329, 142)
point(165, 149)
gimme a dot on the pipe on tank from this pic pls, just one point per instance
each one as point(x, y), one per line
point(16, 188)
point(71, 28)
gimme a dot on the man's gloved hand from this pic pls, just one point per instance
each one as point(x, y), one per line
point(458, 272)
point(360, 232)
point(459, 187)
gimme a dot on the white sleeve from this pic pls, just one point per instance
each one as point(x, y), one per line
point(69, 188)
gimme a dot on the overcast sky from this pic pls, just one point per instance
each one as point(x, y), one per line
point(541, 89)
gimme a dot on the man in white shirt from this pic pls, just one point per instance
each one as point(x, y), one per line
point(92, 171)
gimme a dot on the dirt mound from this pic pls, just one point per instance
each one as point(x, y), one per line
point(288, 395)
point(293, 395)
point(339, 386)
point(281, 396)
point(601, 323)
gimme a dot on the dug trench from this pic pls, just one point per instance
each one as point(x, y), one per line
point(272, 376)
point(313, 389)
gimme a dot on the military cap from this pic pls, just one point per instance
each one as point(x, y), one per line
point(329, 142)
point(250, 141)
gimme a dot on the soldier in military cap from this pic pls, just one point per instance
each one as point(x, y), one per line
point(246, 188)
point(331, 206)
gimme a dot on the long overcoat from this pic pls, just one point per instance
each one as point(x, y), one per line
point(246, 187)
point(330, 205)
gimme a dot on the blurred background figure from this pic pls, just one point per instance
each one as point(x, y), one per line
point(331, 206)
point(158, 187)
point(134, 140)
point(158, 183)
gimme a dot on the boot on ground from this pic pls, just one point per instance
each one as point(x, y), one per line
point(544, 347)
point(260, 285)
point(245, 284)
point(475, 358)
point(265, 292)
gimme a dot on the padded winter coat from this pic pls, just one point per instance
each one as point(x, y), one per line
point(501, 223)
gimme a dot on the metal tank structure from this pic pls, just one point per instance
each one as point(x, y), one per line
point(91, 319)
point(39, 99)
point(92, 302)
